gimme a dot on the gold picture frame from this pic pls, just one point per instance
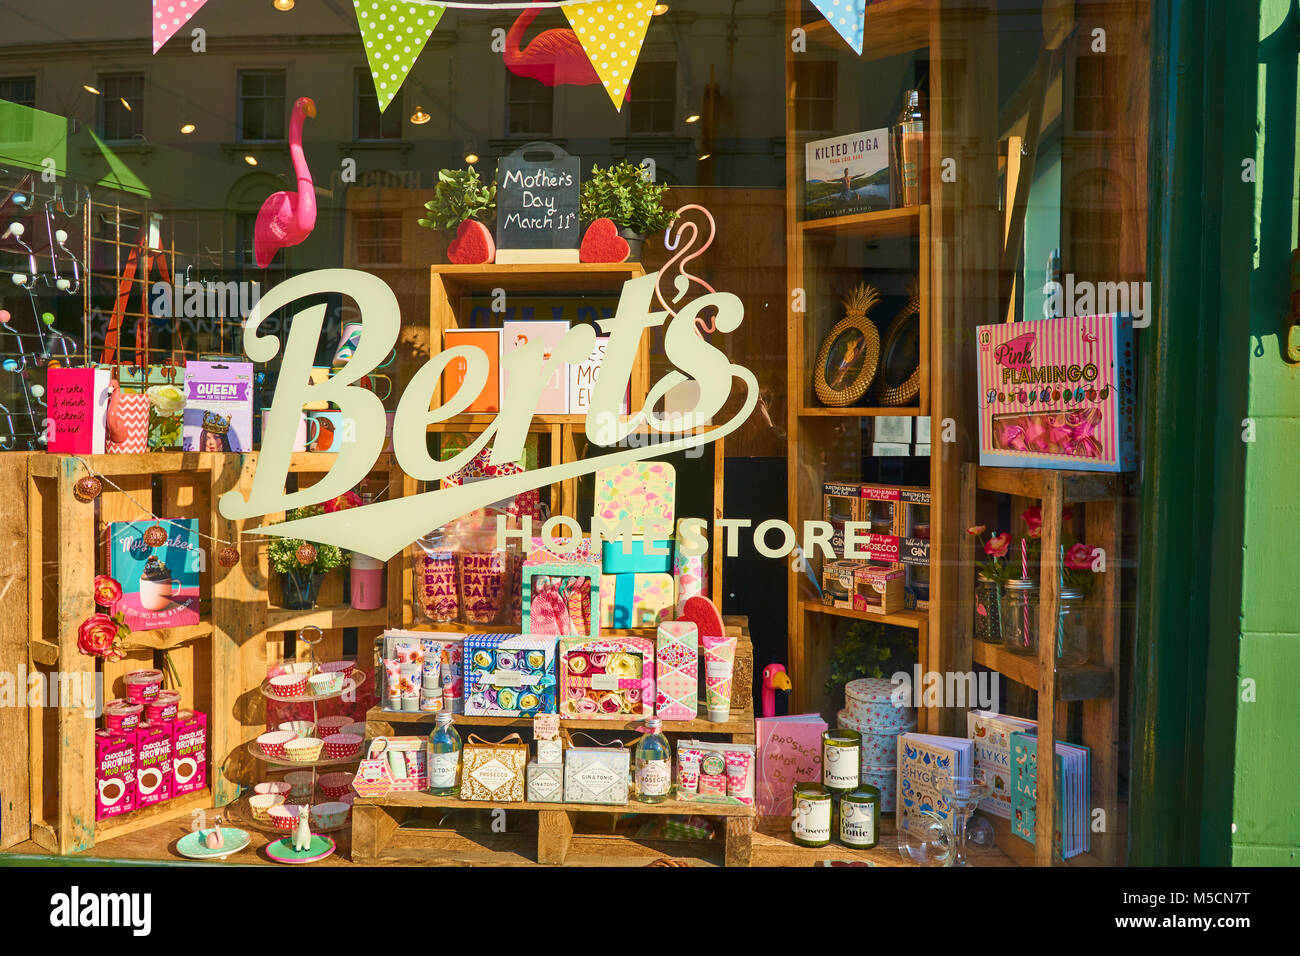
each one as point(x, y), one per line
point(898, 382)
point(849, 356)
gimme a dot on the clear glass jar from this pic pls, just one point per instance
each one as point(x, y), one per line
point(988, 605)
point(1072, 629)
point(1019, 617)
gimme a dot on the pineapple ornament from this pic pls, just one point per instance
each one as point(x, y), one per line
point(850, 354)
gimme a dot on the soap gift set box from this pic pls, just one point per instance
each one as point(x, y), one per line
point(509, 675)
point(610, 678)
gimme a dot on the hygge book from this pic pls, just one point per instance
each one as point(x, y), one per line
point(789, 751)
point(1070, 835)
point(991, 733)
point(847, 174)
point(160, 586)
point(926, 766)
point(554, 399)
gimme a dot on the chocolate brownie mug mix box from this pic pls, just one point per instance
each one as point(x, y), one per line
point(189, 752)
point(114, 773)
point(153, 764)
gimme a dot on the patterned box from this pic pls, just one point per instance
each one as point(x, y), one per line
point(677, 670)
point(611, 678)
point(641, 492)
point(878, 706)
point(550, 753)
point(545, 783)
point(509, 675)
point(493, 771)
point(561, 600)
point(878, 749)
point(635, 600)
point(690, 571)
point(597, 774)
point(636, 555)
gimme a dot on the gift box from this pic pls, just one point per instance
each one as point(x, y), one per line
point(878, 749)
point(874, 705)
point(550, 753)
point(218, 406)
point(597, 774)
point(641, 493)
point(635, 600)
point(153, 764)
point(509, 675)
point(114, 773)
point(564, 551)
point(189, 752)
point(877, 590)
point(690, 571)
point(677, 670)
point(407, 761)
point(493, 771)
point(609, 678)
point(561, 599)
point(636, 555)
point(545, 783)
point(1057, 393)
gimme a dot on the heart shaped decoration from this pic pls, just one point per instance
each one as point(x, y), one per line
point(602, 243)
point(473, 244)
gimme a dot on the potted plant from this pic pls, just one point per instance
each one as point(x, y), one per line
point(623, 195)
point(464, 204)
point(301, 579)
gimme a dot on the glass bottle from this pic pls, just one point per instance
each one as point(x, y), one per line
point(1072, 629)
point(1020, 616)
point(654, 764)
point(909, 150)
point(444, 757)
point(988, 604)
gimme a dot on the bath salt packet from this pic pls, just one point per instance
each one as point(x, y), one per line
point(218, 406)
point(114, 773)
point(153, 764)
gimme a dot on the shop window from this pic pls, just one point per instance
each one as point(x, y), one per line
point(121, 105)
point(18, 89)
point(653, 107)
point(1092, 211)
point(1096, 91)
point(261, 105)
point(370, 123)
point(814, 96)
point(530, 107)
point(377, 238)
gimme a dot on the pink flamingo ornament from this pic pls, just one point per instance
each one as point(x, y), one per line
point(554, 57)
point(287, 218)
point(774, 678)
point(215, 839)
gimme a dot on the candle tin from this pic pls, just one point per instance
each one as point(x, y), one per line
point(841, 759)
point(811, 825)
point(860, 818)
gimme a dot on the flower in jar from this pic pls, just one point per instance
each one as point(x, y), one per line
point(107, 591)
point(997, 546)
point(1079, 557)
point(975, 530)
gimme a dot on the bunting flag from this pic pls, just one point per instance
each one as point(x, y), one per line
point(169, 16)
point(611, 35)
point(847, 17)
point(394, 34)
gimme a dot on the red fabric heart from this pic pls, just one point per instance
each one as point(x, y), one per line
point(473, 244)
point(602, 243)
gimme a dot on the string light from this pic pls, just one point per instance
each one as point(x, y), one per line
point(283, 5)
point(660, 9)
point(123, 101)
point(251, 160)
point(89, 89)
point(471, 158)
point(188, 128)
point(419, 117)
point(693, 118)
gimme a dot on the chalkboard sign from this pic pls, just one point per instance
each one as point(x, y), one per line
point(537, 205)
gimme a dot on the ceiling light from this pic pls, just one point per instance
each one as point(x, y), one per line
point(419, 117)
point(704, 156)
point(188, 128)
point(126, 104)
point(471, 158)
point(283, 4)
point(251, 160)
point(692, 117)
point(89, 89)
point(660, 9)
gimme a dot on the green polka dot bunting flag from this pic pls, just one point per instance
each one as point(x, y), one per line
point(847, 17)
point(393, 34)
point(611, 34)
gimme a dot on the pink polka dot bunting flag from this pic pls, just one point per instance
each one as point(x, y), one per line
point(169, 16)
point(393, 35)
point(611, 35)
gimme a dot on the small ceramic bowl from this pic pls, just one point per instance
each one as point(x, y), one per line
point(336, 785)
point(262, 803)
point(340, 746)
point(338, 667)
point(299, 782)
point(299, 728)
point(273, 786)
point(330, 815)
point(321, 684)
point(303, 749)
point(289, 685)
point(272, 743)
point(332, 725)
point(285, 816)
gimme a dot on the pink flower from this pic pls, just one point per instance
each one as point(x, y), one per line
point(107, 591)
point(98, 637)
point(1079, 557)
point(343, 502)
point(996, 546)
point(975, 530)
point(1034, 520)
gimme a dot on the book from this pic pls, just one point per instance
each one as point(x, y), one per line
point(160, 586)
point(991, 733)
point(1070, 835)
point(848, 174)
point(583, 376)
point(489, 340)
point(789, 751)
point(554, 399)
point(926, 766)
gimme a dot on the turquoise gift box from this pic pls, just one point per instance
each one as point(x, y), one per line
point(636, 555)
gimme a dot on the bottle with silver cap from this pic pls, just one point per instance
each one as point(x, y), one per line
point(654, 764)
point(443, 752)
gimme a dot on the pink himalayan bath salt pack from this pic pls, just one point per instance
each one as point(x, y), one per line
point(114, 773)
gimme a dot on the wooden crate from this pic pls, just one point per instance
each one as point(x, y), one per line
point(15, 762)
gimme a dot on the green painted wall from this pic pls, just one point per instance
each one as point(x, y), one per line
point(1265, 813)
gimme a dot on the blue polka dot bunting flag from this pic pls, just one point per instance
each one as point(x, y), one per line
point(393, 34)
point(846, 16)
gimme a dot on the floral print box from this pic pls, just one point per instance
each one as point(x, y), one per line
point(611, 678)
point(509, 675)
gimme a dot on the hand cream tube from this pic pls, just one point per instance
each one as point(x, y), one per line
point(719, 661)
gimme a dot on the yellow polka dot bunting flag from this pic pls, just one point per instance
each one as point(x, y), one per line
point(611, 34)
point(394, 35)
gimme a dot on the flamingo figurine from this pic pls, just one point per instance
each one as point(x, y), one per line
point(554, 57)
point(215, 838)
point(287, 218)
point(774, 678)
